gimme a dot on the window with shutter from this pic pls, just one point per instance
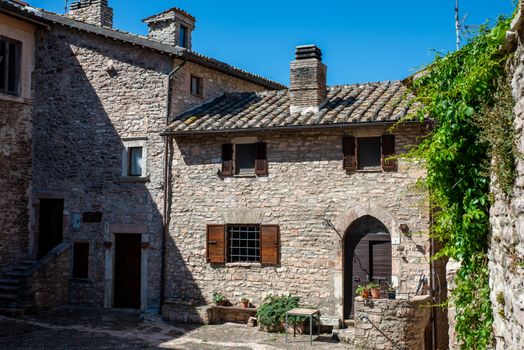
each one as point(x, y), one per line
point(227, 159)
point(216, 244)
point(348, 149)
point(388, 150)
point(261, 168)
point(269, 245)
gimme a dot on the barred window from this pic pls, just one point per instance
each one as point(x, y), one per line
point(244, 243)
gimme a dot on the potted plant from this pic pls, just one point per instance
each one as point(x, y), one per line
point(375, 290)
point(392, 291)
point(244, 302)
point(363, 291)
point(219, 299)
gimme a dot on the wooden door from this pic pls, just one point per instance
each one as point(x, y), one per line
point(127, 281)
point(50, 225)
point(367, 258)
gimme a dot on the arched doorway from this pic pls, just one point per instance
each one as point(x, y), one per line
point(367, 257)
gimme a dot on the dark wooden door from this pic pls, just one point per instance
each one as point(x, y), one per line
point(50, 225)
point(367, 258)
point(128, 256)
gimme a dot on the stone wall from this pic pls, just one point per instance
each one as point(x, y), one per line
point(506, 253)
point(393, 324)
point(95, 12)
point(15, 180)
point(306, 184)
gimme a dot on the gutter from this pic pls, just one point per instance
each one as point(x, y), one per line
point(165, 228)
point(290, 128)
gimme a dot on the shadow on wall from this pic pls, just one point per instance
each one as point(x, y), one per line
point(81, 112)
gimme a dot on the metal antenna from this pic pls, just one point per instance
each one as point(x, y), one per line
point(457, 23)
point(65, 6)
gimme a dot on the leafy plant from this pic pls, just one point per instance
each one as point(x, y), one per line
point(272, 312)
point(218, 297)
point(373, 285)
point(461, 91)
point(361, 289)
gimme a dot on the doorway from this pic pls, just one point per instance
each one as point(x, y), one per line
point(50, 225)
point(127, 279)
point(367, 258)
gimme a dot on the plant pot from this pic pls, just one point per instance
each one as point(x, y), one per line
point(221, 303)
point(244, 304)
point(375, 293)
point(365, 294)
point(392, 295)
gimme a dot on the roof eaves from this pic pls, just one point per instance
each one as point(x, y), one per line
point(175, 9)
point(23, 12)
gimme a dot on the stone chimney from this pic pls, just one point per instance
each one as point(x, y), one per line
point(95, 12)
point(308, 91)
point(171, 27)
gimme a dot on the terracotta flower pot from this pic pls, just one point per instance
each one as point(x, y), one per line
point(365, 294)
point(375, 293)
point(244, 304)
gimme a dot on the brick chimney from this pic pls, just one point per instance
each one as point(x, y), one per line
point(95, 12)
point(308, 91)
point(171, 27)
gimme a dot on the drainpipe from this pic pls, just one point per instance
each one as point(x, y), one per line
point(165, 228)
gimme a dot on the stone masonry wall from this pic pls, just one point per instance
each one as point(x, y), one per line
point(15, 180)
point(506, 253)
point(393, 324)
point(306, 184)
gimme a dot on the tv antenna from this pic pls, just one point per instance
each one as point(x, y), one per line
point(460, 28)
point(66, 5)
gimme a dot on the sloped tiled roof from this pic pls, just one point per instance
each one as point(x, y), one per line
point(384, 102)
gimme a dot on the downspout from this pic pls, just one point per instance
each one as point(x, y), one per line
point(165, 228)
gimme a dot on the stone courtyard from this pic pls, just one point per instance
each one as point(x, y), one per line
point(87, 328)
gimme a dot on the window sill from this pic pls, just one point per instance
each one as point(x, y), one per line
point(14, 98)
point(134, 178)
point(197, 95)
point(244, 264)
point(245, 175)
point(370, 170)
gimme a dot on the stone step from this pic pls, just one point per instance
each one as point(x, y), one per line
point(16, 274)
point(7, 296)
point(9, 281)
point(7, 288)
point(345, 335)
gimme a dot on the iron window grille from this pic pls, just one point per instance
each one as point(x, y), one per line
point(244, 243)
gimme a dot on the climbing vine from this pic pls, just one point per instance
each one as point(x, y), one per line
point(460, 91)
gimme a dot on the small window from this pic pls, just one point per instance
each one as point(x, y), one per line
point(368, 153)
point(134, 164)
point(10, 55)
point(244, 243)
point(183, 36)
point(197, 86)
point(245, 155)
point(81, 260)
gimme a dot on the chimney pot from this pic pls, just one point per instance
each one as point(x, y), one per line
point(95, 12)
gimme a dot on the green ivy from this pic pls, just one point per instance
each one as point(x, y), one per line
point(455, 90)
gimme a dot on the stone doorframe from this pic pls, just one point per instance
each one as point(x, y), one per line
point(342, 223)
point(109, 259)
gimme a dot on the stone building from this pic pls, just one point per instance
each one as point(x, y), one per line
point(153, 176)
point(87, 175)
point(295, 191)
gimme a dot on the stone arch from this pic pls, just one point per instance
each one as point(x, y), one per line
point(345, 219)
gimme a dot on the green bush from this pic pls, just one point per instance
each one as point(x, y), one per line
point(272, 312)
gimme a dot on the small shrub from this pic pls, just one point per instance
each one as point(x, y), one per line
point(500, 299)
point(272, 312)
point(218, 297)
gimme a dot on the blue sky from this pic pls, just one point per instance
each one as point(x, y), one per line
point(361, 41)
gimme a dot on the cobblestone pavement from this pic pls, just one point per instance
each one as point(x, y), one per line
point(84, 328)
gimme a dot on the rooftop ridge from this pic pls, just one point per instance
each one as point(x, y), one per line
point(176, 9)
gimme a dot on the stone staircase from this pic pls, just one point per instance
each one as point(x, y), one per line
point(15, 296)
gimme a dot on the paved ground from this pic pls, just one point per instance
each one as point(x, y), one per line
point(84, 328)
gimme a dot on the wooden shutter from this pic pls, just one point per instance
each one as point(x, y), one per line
point(348, 148)
point(216, 244)
point(269, 245)
point(261, 159)
point(227, 159)
point(388, 150)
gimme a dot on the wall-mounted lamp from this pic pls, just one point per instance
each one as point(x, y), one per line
point(405, 230)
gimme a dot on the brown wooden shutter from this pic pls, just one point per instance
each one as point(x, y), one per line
point(261, 159)
point(388, 150)
point(348, 148)
point(227, 159)
point(216, 244)
point(269, 245)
